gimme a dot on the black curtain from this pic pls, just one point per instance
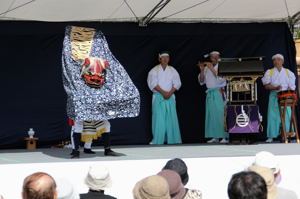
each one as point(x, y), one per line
point(31, 80)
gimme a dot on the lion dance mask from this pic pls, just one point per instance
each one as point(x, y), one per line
point(94, 71)
point(97, 85)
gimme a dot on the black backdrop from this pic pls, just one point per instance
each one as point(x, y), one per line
point(31, 88)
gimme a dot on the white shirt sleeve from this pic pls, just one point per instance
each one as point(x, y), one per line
point(221, 81)
point(267, 78)
point(176, 79)
point(152, 79)
point(292, 81)
point(201, 82)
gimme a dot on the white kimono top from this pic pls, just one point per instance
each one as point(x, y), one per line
point(166, 79)
point(211, 80)
point(284, 78)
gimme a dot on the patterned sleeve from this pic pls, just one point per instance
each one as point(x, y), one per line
point(193, 194)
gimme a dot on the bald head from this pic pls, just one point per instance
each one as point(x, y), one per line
point(39, 186)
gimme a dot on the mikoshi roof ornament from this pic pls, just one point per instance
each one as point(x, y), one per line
point(97, 85)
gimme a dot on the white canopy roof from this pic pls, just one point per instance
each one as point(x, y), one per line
point(134, 10)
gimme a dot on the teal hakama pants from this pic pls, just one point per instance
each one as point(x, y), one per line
point(274, 121)
point(214, 114)
point(165, 127)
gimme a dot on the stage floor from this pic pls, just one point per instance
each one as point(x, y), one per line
point(210, 166)
point(147, 152)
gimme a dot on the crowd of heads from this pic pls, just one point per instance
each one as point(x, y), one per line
point(259, 181)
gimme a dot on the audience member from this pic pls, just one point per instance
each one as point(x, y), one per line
point(152, 187)
point(247, 185)
point(269, 160)
point(179, 166)
point(65, 190)
point(39, 186)
point(176, 188)
point(98, 179)
point(274, 192)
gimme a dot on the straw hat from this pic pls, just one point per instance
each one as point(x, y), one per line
point(153, 187)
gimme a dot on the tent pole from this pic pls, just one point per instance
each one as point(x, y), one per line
point(147, 19)
point(294, 20)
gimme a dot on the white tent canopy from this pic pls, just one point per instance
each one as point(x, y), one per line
point(136, 10)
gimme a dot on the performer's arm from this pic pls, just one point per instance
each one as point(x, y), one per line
point(212, 69)
point(270, 87)
point(176, 84)
point(266, 80)
point(201, 76)
point(170, 93)
point(292, 81)
point(175, 81)
point(161, 91)
point(152, 81)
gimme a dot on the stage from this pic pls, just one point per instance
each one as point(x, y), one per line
point(210, 166)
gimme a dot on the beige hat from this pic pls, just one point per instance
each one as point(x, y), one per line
point(98, 178)
point(268, 175)
point(267, 159)
point(153, 187)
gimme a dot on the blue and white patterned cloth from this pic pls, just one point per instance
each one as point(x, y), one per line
point(117, 98)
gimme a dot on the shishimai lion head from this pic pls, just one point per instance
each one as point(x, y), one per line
point(93, 71)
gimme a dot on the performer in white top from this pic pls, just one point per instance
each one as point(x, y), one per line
point(277, 79)
point(215, 100)
point(163, 80)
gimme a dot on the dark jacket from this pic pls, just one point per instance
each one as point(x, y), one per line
point(95, 195)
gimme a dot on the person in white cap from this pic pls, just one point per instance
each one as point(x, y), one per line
point(215, 100)
point(269, 160)
point(163, 80)
point(277, 79)
point(98, 179)
point(65, 189)
point(274, 191)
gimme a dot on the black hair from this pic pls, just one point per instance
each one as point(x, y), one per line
point(179, 166)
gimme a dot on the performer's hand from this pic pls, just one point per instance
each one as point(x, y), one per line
point(168, 95)
point(201, 66)
point(209, 65)
point(164, 94)
point(278, 88)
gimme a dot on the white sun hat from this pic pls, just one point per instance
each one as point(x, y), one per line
point(267, 159)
